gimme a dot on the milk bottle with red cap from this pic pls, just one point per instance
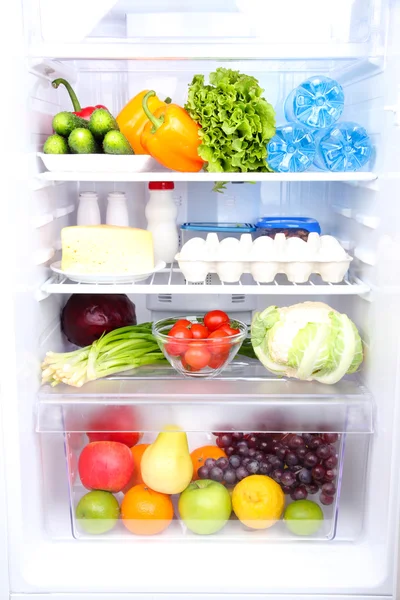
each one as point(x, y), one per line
point(161, 214)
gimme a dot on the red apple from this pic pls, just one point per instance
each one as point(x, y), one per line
point(115, 424)
point(105, 466)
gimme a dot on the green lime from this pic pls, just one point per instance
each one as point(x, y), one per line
point(303, 517)
point(97, 512)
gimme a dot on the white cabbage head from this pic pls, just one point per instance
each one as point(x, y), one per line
point(308, 341)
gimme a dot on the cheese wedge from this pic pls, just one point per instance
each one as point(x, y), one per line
point(106, 249)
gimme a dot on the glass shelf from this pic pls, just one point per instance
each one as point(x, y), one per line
point(243, 398)
point(211, 178)
point(172, 281)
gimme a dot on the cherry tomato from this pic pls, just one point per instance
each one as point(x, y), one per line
point(214, 319)
point(197, 355)
point(175, 329)
point(182, 323)
point(181, 333)
point(218, 347)
point(187, 367)
point(217, 360)
point(228, 329)
point(199, 332)
point(176, 348)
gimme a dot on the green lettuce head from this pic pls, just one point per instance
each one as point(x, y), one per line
point(235, 119)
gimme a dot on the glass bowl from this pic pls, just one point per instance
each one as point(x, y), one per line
point(186, 356)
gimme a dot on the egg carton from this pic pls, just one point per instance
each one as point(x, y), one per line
point(264, 258)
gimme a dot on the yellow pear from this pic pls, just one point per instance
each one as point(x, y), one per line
point(166, 464)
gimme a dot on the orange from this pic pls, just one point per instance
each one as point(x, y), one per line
point(137, 453)
point(200, 455)
point(146, 512)
point(258, 501)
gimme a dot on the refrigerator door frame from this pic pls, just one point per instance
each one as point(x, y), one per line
point(10, 411)
point(12, 46)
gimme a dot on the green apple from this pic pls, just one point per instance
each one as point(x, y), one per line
point(205, 506)
point(97, 512)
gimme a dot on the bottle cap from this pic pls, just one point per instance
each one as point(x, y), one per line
point(161, 185)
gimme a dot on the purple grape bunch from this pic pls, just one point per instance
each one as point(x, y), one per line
point(303, 465)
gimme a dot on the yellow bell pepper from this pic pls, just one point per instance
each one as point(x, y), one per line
point(172, 137)
point(132, 119)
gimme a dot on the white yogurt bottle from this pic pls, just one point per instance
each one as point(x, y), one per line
point(117, 210)
point(161, 214)
point(88, 209)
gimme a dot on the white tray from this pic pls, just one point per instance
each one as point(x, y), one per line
point(204, 257)
point(103, 278)
point(98, 163)
point(231, 271)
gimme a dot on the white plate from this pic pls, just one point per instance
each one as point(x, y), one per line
point(99, 163)
point(106, 277)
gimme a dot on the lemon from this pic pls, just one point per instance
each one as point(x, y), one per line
point(258, 501)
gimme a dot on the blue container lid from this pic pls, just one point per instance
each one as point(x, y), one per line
point(289, 223)
point(220, 227)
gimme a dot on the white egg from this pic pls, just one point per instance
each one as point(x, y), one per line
point(229, 249)
point(194, 249)
point(330, 249)
point(329, 241)
point(297, 250)
point(263, 249)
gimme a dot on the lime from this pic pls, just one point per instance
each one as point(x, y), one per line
point(303, 517)
point(97, 512)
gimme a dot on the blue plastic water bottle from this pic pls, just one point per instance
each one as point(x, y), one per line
point(317, 102)
point(344, 147)
point(291, 150)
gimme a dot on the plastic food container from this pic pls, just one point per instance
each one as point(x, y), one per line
point(221, 351)
point(264, 258)
point(290, 226)
point(268, 411)
point(223, 230)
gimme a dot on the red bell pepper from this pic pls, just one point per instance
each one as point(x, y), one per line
point(84, 113)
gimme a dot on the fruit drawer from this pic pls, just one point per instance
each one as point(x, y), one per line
point(210, 460)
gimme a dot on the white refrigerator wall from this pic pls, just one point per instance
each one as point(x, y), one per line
point(45, 559)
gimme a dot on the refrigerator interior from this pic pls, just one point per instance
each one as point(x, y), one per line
point(45, 553)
